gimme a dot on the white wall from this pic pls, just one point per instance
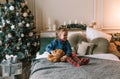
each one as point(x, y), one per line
point(109, 17)
point(64, 10)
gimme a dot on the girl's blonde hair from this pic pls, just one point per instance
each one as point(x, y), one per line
point(59, 31)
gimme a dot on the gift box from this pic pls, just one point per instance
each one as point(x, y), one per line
point(10, 69)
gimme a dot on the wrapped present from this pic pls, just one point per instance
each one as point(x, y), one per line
point(10, 69)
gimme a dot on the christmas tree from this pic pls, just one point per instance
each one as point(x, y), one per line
point(17, 35)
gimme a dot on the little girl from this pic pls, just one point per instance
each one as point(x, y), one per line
point(61, 42)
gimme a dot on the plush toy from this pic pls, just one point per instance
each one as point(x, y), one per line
point(56, 56)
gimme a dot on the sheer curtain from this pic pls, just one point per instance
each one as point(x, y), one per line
point(33, 6)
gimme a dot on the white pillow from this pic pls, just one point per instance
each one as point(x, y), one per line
point(82, 48)
point(92, 34)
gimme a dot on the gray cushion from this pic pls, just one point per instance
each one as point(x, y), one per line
point(101, 45)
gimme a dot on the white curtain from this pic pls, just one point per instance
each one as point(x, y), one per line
point(33, 6)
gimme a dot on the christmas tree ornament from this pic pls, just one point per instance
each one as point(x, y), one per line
point(23, 22)
point(17, 14)
point(13, 27)
point(9, 35)
point(5, 7)
point(31, 34)
point(28, 44)
point(22, 35)
point(25, 14)
point(26, 52)
point(3, 22)
point(18, 47)
point(27, 25)
point(2, 19)
point(19, 40)
point(19, 24)
point(8, 21)
point(6, 46)
point(11, 8)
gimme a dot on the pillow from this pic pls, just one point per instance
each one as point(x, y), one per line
point(84, 48)
point(102, 45)
point(92, 34)
point(81, 49)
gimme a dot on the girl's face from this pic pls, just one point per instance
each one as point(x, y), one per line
point(63, 35)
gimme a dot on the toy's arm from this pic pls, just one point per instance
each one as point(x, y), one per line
point(63, 59)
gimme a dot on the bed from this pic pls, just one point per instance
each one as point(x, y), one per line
point(101, 66)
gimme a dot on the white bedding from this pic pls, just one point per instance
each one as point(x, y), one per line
point(44, 55)
point(100, 56)
point(104, 56)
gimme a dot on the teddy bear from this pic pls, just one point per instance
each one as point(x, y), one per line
point(56, 56)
